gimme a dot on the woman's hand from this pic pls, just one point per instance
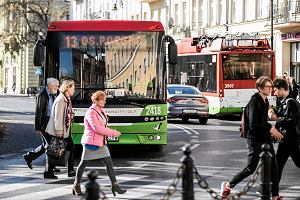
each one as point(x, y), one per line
point(276, 134)
point(118, 134)
point(59, 134)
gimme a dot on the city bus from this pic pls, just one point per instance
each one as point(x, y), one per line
point(225, 68)
point(127, 60)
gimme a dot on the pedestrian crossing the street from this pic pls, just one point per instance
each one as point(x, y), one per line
point(141, 179)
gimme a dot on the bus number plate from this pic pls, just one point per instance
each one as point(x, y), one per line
point(112, 139)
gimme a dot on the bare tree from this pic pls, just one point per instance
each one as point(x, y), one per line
point(26, 20)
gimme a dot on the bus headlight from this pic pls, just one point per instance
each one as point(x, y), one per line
point(158, 137)
point(150, 137)
point(146, 119)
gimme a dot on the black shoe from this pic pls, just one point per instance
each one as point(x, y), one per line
point(28, 161)
point(56, 170)
point(116, 188)
point(72, 173)
point(49, 175)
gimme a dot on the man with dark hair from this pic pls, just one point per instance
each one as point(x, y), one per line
point(286, 119)
point(258, 132)
point(44, 101)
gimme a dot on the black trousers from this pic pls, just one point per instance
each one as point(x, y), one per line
point(40, 150)
point(254, 149)
point(284, 151)
point(71, 148)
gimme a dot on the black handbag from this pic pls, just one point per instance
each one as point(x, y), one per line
point(57, 147)
point(59, 161)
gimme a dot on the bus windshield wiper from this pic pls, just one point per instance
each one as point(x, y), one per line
point(127, 101)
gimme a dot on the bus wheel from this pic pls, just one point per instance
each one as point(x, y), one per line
point(156, 148)
point(203, 120)
point(185, 119)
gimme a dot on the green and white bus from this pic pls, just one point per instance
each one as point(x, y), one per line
point(127, 59)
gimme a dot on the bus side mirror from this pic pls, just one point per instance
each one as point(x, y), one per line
point(172, 53)
point(39, 53)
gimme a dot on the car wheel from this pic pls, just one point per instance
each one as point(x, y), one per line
point(185, 119)
point(203, 120)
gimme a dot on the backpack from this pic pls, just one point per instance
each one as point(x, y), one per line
point(298, 109)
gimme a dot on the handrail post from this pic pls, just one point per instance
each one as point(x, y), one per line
point(187, 175)
point(92, 187)
point(265, 157)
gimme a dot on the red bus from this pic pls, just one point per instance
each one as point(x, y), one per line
point(224, 68)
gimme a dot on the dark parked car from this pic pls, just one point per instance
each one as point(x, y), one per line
point(186, 102)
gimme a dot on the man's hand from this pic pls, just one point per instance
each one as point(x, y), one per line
point(276, 134)
point(272, 115)
point(39, 133)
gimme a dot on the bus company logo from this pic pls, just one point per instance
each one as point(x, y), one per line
point(124, 112)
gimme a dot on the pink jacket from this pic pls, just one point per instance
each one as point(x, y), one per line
point(94, 127)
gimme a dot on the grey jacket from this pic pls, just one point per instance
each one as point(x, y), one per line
point(57, 121)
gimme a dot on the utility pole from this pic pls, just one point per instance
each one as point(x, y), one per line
point(271, 16)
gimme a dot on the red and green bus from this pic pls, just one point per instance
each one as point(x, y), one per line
point(224, 68)
point(127, 59)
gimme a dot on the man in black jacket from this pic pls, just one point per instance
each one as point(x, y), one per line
point(258, 132)
point(44, 101)
point(286, 120)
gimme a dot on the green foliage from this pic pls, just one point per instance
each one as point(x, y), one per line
point(24, 20)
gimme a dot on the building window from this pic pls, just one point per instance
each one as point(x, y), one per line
point(212, 15)
point(258, 9)
point(194, 17)
point(222, 12)
point(201, 15)
point(6, 78)
point(176, 15)
point(183, 14)
point(234, 11)
point(237, 11)
point(159, 15)
point(264, 5)
point(249, 11)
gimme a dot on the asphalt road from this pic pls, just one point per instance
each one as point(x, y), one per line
point(217, 150)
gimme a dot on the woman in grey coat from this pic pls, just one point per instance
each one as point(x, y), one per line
point(59, 123)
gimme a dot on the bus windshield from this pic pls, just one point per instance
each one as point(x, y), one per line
point(126, 63)
point(246, 66)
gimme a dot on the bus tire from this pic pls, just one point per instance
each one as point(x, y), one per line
point(156, 148)
point(203, 120)
point(185, 119)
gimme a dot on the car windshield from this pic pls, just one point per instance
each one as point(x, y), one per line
point(183, 90)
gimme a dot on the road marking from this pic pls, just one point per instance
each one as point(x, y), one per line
point(180, 152)
point(16, 121)
point(182, 128)
point(188, 128)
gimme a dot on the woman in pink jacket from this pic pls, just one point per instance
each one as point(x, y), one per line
point(94, 142)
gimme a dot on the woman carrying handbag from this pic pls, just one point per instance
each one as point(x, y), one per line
point(94, 142)
point(59, 123)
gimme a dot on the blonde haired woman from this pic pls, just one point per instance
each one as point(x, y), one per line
point(94, 142)
point(59, 123)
